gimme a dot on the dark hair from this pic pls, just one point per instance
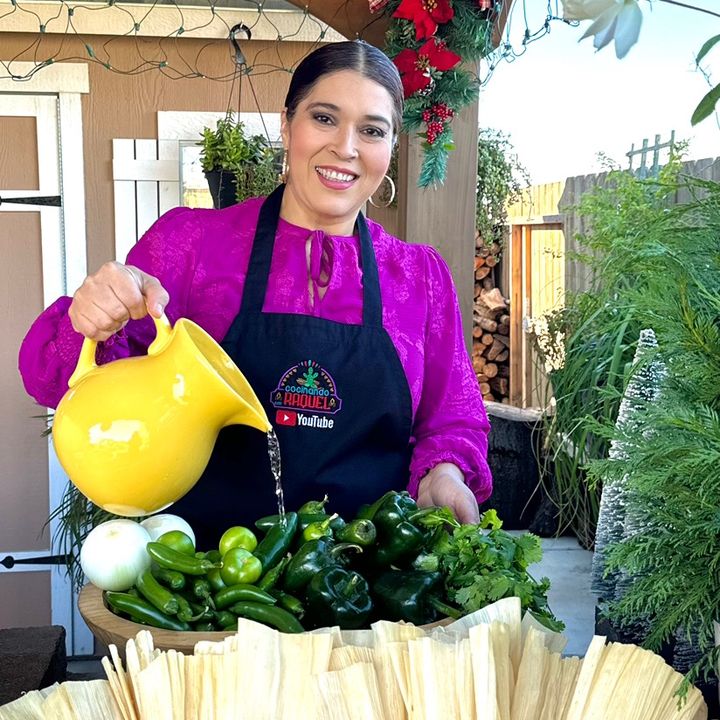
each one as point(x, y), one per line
point(356, 55)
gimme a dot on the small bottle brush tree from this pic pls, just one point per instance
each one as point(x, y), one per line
point(614, 520)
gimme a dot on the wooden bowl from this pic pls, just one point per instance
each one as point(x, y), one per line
point(112, 629)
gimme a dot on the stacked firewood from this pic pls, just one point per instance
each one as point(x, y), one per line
point(491, 327)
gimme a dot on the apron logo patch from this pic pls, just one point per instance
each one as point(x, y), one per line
point(306, 386)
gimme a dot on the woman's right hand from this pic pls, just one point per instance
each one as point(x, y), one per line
point(113, 295)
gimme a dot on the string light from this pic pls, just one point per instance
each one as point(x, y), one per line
point(188, 67)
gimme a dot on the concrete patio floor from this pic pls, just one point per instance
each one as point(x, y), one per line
point(568, 567)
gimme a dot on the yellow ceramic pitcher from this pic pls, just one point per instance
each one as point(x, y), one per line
point(135, 435)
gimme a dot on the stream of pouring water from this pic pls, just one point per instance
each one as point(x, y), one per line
point(275, 469)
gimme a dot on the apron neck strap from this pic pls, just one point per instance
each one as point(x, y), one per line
point(258, 272)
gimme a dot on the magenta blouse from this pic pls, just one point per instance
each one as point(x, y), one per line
point(201, 257)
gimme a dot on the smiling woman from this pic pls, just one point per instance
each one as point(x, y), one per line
point(337, 153)
point(303, 292)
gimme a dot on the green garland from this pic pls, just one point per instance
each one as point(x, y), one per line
point(429, 111)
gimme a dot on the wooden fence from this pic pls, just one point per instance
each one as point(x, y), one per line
point(539, 267)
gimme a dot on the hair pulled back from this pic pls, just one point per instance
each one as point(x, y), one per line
point(356, 55)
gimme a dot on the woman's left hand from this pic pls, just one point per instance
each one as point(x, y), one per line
point(445, 485)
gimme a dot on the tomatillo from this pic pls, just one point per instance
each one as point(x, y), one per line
point(178, 540)
point(237, 536)
point(240, 566)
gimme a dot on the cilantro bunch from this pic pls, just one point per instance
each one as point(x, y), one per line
point(482, 563)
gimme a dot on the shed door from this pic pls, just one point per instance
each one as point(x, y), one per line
point(33, 272)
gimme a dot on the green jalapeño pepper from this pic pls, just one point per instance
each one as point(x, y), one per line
point(290, 603)
point(271, 578)
point(276, 543)
point(171, 559)
point(204, 626)
point(202, 589)
point(411, 595)
point(170, 578)
point(337, 596)
point(361, 532)
point(313, 556)
point(270, 615)
point(265, 523)
point(225, 620)
point(215, 580)
point(313, 507)
point(319, 529)
point(141, 611)
point(236, 593)
point(155, 593)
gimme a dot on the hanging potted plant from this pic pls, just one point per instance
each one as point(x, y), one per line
point(236, 166)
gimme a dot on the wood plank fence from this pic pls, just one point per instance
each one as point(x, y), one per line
point(539, 265)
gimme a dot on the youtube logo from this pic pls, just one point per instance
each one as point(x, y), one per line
point(286, 417)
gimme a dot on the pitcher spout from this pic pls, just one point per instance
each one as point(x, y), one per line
point(236, 397)
point(253, 416)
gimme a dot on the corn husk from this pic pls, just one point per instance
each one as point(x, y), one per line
point(78, 699)
point(345, 656)
point(586, 678)
point(554, 641)
point(433, 679)
point(301, 656)
point(530, 687)
point(483, 669)
point(349, 694)
point(27, 706)
point(391, 696)
point(490, 666)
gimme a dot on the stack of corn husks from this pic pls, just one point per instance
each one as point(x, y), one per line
point(490, 665)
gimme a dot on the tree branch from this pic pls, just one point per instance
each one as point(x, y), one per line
point(691, 7)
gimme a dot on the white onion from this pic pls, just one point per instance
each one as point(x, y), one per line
point(114, 553)
point(157, 525)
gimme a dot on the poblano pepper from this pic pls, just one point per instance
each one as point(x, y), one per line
point(312, 557)
point(398, 540)
point(336, 596)
point(411, 595)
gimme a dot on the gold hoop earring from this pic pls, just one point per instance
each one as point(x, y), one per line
point(283, 176)
point(392, 194)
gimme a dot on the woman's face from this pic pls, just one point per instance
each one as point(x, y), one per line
point(338, 143)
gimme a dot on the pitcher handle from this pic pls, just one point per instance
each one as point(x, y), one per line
point(86, 361)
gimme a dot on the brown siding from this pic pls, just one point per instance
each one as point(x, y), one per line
point(25, 599)
point(23, 450)
point(126, 106)
point(17, 139)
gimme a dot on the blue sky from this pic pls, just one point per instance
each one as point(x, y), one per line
point(562, 102)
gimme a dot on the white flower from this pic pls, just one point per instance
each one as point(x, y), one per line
point(618, 20)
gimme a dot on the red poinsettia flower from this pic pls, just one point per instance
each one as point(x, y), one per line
point(426, 14)
point(415, 65)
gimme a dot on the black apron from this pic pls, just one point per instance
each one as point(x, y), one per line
point(336, 394)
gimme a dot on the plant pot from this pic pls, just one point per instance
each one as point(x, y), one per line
point(223, 188)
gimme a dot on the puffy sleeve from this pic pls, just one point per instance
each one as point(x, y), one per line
point(51, 348)
point(451, 424)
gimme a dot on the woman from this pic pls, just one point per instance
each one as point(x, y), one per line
point(351, 338)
